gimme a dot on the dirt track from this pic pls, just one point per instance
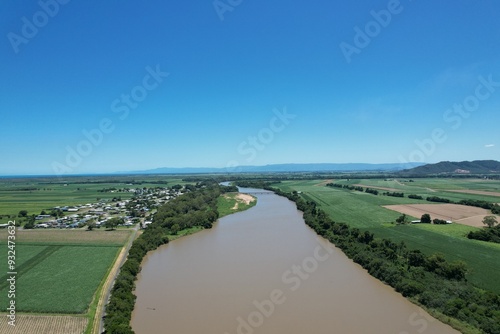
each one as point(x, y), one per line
point(476, 192)
point(110, 280)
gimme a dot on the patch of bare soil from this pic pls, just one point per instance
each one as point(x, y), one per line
point(45, 324)
point(462, 214)
point(324, 183)
point(242, 198)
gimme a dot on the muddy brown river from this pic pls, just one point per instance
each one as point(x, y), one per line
point(263, 271)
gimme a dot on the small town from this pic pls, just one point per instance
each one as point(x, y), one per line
point(129, 212)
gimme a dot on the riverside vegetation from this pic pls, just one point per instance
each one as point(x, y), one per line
point(437, 284)
point(195, 208)
point(431, 281)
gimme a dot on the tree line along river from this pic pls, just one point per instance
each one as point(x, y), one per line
point(265, 271)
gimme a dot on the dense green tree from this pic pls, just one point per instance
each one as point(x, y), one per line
point(415, 196)
point(488, 234)
point(409, 288)
point(435, 262)
point(91, 225)
point(490, 221)
point(456, 270)
point(426, 218)
point(56, 213)
point(30, 224)
point(403, 219)
point(371, 191)
point(112, 223)
point(438, 199)
point(175, 229)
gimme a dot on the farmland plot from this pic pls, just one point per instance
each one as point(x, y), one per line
point(59, 279)
point(462, 214)
point(45, 325)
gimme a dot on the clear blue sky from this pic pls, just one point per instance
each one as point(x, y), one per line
point(350, 96)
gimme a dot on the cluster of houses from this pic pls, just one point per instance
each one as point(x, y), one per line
point(134, 210)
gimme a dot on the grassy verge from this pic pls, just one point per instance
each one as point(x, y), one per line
point(185, 232)
point(93, 308)
point(460, 326)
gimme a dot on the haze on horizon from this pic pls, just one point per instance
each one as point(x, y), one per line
point(96, 87)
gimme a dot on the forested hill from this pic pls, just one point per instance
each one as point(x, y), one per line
point(463, 167)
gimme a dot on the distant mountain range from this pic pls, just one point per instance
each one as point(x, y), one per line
point(458, 168)
point(314, 167)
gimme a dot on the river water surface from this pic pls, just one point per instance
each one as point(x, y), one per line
point(264, 271)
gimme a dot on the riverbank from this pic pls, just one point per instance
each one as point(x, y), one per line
point(187, 214)
point(429, 281)
point(264, 268)
point(195, 208)
point(227, 204)
point(97, 307)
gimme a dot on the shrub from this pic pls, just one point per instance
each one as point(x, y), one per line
point(415, 197)
point(437, 199)
point(371, 191)
point(409, 288)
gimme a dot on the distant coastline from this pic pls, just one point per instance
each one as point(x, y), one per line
point(271, 168)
